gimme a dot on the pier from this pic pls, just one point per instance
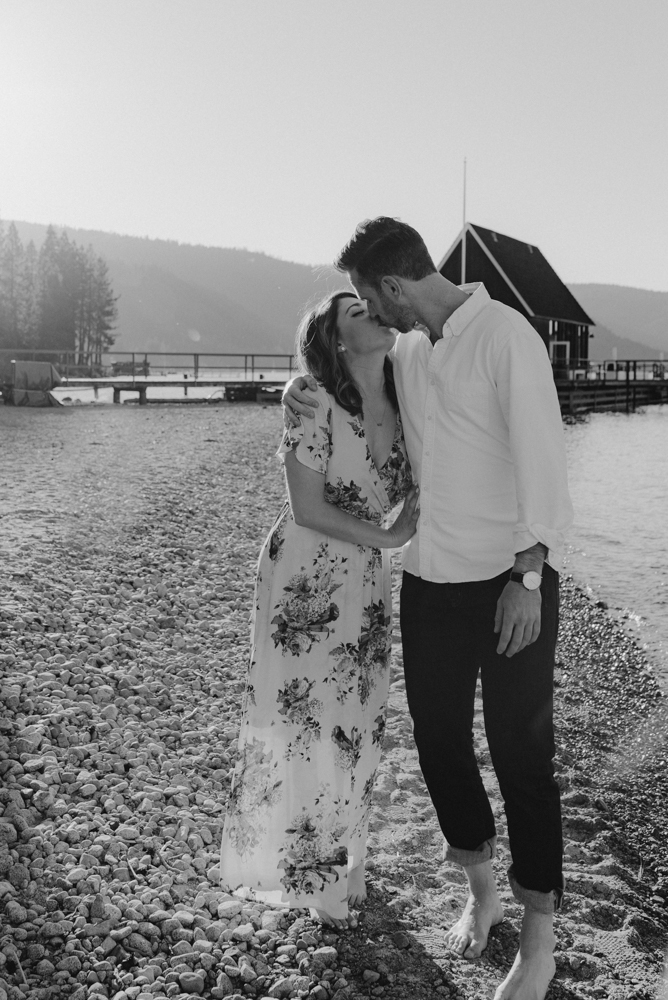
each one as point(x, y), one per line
point(617, 386)
point(582, 386)
point(231, 377)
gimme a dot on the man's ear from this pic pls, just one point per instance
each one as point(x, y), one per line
point(391, 286)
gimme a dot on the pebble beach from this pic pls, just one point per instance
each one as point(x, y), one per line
point(128, 544)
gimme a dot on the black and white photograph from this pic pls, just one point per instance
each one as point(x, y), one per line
point(333, 500)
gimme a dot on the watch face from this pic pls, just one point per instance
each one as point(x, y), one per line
point(531, 580)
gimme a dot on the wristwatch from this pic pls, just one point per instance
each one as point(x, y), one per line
point(530, 580)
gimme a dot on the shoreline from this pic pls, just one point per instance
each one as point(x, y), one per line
point(116, 749)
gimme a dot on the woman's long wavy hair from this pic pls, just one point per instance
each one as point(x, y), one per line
point(318, 355)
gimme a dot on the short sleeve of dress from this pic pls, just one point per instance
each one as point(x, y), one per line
point(311, 440)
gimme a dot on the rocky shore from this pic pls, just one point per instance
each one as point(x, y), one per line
point(128, 541)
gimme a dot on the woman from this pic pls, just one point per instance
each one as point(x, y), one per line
point(315, 701)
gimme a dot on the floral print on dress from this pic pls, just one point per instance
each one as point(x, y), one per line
point(255, 789)
point(318, 681)
point(301, 712)
point(277, 537)
point(348, 749)
point(348, 496)
point(379, 731)
point(319, 449)
point(303, 615)
point(365, 803)
point(312, 848)
point(365, 660)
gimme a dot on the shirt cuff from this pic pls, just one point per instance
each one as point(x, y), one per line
point(525, 537)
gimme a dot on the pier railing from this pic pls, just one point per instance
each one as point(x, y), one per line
point(610, 370)
point(144, 364)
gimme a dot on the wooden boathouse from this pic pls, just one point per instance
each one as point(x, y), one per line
point(518, 274)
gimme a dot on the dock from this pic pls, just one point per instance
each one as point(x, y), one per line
point(610, 386)
point(582, 386)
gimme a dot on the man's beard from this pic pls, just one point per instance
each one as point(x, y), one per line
point(404, 321)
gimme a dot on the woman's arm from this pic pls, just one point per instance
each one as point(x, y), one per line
point(306, 489)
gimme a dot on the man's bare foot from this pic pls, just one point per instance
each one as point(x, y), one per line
point(356, 886)
point(468, 937)
point(534, 964)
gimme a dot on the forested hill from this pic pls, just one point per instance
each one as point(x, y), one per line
point(632, 314)
point(180, 297)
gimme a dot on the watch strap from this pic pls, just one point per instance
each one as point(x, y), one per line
point(516, 577)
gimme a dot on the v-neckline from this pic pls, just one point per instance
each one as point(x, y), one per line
point(379, 469)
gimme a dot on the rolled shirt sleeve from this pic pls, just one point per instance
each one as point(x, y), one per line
point(528, 399)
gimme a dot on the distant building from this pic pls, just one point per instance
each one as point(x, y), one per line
point(517, 274)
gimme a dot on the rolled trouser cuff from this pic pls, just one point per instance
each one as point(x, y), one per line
point(468, 859)
point(533, 899)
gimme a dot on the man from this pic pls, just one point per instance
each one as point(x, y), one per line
point(480, 587)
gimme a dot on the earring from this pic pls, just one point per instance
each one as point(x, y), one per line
point(340, 348)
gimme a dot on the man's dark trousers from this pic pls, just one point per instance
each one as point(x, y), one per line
point(448, 638)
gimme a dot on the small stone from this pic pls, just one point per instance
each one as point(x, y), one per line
point(244, 932)
point(97, 908)
point(128, 833)
point(70, 964)
point(8, 833)
point(326, 956)
point(271, 919)
point(369, 976)
point(230, 908)
point(15, 913)
point(76, 875)
point(401, 940)
point(137, 943)
point(191, 982)
point(45, 968)
point(281, 988)
point(19, 876)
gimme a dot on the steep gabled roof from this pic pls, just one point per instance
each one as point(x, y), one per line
point(526, 272)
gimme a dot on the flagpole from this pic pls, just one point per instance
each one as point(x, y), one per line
point(464, 229)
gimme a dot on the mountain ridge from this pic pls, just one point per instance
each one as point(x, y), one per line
point(190, 297)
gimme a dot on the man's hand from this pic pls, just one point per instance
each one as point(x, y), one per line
point(297, 403)
point(517, 618)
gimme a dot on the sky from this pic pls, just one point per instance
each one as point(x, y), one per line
point(277, 125)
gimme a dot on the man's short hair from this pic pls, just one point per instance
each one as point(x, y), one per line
point(385, 246)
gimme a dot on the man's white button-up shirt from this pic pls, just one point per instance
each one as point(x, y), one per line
point(485, 440)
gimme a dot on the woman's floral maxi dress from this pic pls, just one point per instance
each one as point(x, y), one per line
point(315, 701)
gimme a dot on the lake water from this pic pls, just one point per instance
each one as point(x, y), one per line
point(618, 547)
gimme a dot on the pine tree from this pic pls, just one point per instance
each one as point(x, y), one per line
point(28, 303)
point(3, 323)
point(51, 296)
point(58, 299)
point(11, 264)
point(105, 312)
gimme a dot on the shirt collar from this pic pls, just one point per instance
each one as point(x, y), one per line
point(478, 298)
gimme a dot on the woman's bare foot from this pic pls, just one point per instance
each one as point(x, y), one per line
point(468, 937)
point(338, 923)
point(534, 965)
point(356, 886)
